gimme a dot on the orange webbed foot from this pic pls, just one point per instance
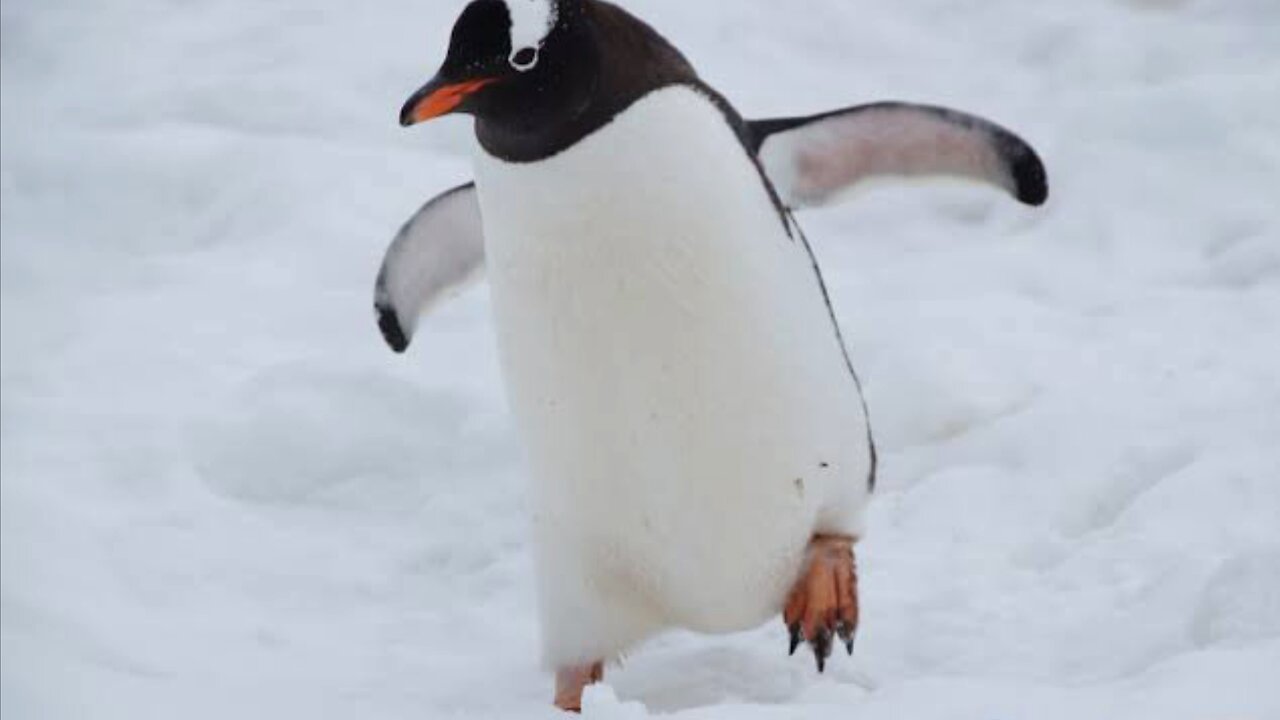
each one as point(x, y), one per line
point(823, 605)
point(571, 682)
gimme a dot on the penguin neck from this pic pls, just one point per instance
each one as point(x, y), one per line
point(616, 60)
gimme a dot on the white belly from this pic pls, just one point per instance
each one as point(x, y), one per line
point(688, 413)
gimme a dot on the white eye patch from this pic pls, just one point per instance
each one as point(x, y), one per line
point(524, 59)
point(531, 23)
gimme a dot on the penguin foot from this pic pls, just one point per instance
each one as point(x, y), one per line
point(572, 681)
point(823, 605)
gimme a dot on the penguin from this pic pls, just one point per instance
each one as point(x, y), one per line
point(699, 447)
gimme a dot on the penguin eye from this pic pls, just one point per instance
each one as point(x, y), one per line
point(524, 59)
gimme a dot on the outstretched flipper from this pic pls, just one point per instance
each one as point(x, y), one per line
point(812, 160)
point(435, 255)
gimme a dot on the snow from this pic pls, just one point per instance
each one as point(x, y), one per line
point(223, 497)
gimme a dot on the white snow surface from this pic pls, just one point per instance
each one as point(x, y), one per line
point(222, 496)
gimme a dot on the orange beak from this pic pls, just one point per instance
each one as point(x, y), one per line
point(439, 98)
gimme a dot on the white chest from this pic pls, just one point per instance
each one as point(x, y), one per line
point(669, 358)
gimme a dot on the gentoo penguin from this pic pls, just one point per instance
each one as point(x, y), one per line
point(700, 451)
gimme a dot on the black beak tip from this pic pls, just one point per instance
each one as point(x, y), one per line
point(406, 115)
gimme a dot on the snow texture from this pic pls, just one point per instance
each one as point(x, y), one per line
point(222, 496)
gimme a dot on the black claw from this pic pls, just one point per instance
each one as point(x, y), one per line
point(796, 637)
point(846, 633)
point(822, 648)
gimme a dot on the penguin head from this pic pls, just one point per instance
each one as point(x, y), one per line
point(510, 62)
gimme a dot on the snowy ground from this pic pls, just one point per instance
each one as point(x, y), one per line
point(224, 498)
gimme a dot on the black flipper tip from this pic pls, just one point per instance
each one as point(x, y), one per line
point(392, 331)
point(1031, 178)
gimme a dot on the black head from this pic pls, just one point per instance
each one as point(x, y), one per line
point(517, 63)
point(547, 90)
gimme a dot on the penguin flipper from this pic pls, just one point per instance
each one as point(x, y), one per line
point(433, 257)
point(812, 160)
